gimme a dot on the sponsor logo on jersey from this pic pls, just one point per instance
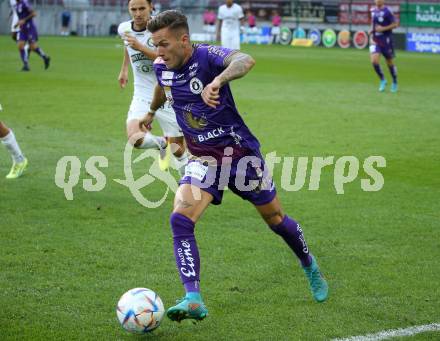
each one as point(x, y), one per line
point(194, 65)
point(138, 56)
point(211, 134)
point(217, 51)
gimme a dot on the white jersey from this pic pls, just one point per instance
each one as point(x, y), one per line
point(143, 74)
point(14, 21)
point(230, 17)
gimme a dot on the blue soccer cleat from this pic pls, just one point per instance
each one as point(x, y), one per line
point(394, 87)
point(318, 284)
point(189, 307)
point(383, 84)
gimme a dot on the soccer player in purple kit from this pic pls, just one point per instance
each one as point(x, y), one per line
point(381, 42)
point(195, 79)
point(28, 33)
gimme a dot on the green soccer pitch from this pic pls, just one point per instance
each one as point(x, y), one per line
point(64, 264)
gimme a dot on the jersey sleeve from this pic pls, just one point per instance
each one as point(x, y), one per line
point(220, 15)
point(217, 55)
point(240, 12)
point(121, 29)
point(159, 67)
point(391, 16)
point(27, 6)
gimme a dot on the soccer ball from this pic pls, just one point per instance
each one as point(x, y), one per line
point(140, 310)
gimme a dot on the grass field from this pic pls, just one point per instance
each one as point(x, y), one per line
point(64, 264)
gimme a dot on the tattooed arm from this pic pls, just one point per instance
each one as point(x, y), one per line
point(237, 65)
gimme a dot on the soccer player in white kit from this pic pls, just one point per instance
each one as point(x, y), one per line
point(14, 22)
point(19, 162)
point(140, 52)
point(14, 27)
point(230, 18)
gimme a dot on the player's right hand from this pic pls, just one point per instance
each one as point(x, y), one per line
point(123, 80)
point(211, 93)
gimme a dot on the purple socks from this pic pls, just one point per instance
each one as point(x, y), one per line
point(379, 72)
point(292, 234)
point(186, 251)
point(24, 57)
point(393, 72)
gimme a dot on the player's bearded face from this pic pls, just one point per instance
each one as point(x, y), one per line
point(140, 11)
point(379, 3)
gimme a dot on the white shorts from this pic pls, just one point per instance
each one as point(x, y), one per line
point(14, 22)
point(231, 41)
point(166, 117)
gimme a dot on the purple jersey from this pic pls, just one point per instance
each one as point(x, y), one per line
point(207, 130)
point(383, 17)
point(28, 32)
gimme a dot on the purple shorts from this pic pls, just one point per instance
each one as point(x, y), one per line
point(247, 177)
point(383, 47)
point(28, 33)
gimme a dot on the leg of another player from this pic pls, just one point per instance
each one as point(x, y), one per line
point(19, 162)
point(178, 149)
point(34, 47)
point(142, 138)
point(292, 234)
point(375, 60)
point(23, 55)
point(393, 72)
point(189, 204)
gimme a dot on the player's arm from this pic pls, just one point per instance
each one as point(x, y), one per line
point(137, 45)
point(159, 99)
point(219, 27)
point(23, 21)
point(123, 75)
point(387, 28)
point(237, 65)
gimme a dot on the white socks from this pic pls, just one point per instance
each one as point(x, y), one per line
point(181, 162)
point(153, 141)
point(11, 145)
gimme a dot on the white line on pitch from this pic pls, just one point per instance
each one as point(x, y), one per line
point(387, 334)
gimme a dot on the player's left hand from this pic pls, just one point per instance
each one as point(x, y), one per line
point(20, 23)
point(133, 42)
point(146, 121)
point(211, 93)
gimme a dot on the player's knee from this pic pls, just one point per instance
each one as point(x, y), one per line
point(177, 149)
point(135, 140)
point(273, 219)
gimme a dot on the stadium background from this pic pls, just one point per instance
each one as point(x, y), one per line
point(100, 18)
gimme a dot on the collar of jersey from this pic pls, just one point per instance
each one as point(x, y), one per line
point(132, 28)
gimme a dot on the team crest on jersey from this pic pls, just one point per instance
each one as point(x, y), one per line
point(195, 122)
point(196, 86)
point(150, 43)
